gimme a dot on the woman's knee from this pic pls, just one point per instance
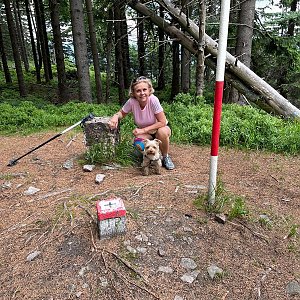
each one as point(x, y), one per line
point(163, 132)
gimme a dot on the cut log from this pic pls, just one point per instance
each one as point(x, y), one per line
point(245, 77)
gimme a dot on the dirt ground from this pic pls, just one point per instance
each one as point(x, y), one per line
point(258, 259)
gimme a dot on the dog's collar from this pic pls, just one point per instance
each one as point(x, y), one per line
point(153, 160)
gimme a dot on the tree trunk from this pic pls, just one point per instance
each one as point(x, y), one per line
point(33, 48)
point(242, 73)
point(185, 64)
point(245, 35)
point(109, 48)
point(200, 55)
point(176, 70)
point(59, 54)
point(14, 44)
point(245, 32)
point(161, 54)
point(20, 35)
point(45, 36)
point(80, 47)
point(41, 38)
point(141, 45)
point(291, 27)
point(4, 59)
point(118, 53)
point(125, 46)
point(185, 70)
point(93, 41)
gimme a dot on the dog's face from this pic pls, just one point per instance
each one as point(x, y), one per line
point(152, 148)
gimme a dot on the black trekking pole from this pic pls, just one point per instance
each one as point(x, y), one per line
point(87, 118)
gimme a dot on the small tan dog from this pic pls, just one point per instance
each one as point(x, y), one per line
point(151, 157)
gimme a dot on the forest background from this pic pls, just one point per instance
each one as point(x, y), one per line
point(57, 55)
point(60, 61)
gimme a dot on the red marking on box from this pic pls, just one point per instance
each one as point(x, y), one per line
point(110, 208)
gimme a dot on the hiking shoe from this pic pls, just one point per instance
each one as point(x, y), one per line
point(167, 162)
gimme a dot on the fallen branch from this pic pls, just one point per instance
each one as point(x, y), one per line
point(260, 282)
point(93, 241)
point(72, 140)
point(71, 216)
point(97, 195)
point(133, 283)
point(136, 193)
point(127, 264)
point(88, 213)
point(265, 238)
point(15, 226)
point(54, 194)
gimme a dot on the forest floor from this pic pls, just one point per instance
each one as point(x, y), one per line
point(57, 226)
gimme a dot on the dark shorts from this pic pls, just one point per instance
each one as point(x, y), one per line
point(154, 134)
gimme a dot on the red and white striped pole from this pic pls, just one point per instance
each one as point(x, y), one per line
point(221, 59)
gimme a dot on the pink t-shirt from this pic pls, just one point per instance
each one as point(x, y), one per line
point(146, 116)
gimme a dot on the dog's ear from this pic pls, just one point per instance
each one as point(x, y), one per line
point(158, 141)
point(146, 141)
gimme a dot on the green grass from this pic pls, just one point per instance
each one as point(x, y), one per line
point(242, 127)
point(232, 206)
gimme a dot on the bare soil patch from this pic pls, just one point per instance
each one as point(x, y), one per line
point(258, 261)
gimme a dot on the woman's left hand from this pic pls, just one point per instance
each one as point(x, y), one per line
point(138, 131)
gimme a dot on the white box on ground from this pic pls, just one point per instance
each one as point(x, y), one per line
point(111, 215)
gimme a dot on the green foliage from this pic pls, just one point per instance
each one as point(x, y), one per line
point(190, 118)
point(231, 205)
point(242, 127)
point(277, 58)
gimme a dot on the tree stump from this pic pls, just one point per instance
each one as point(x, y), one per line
point(97, 131)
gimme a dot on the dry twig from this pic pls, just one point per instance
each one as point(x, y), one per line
point(72, 140)
point(260, 282)
point(88, 213)
point(133, 283)
point(264, 237)
point(54, 193)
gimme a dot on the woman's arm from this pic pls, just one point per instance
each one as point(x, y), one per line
point(161, 122)
point(114, 121)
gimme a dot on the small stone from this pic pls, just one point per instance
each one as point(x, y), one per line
point(31, 190)
point(264, 219)
point(293, 288)
point(188, 263)
point(104, 282)
point(178, 297)
point(68, 164)
point(111, 167)
point(32, 256)
point(190, 277)
point(78, 294)
point(126, 243)
point(187, 229)
point(167, 270)
point(141, 250)
point(88, 168)
point(220, 218)
point(6, 185)
point(142, 238)
point(214, 270)
point(161, 252)
point(131, 249)
point(99, 178)
point(83, 270)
